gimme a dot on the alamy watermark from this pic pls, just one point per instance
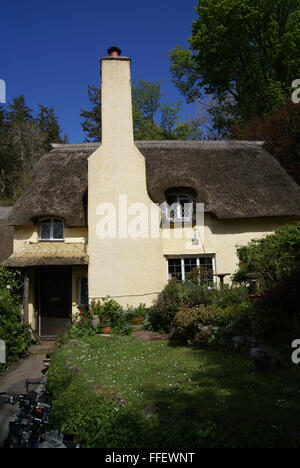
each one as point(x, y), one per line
point(296, 353)
point(2, 92)
point(296, 93)
point(139, 221)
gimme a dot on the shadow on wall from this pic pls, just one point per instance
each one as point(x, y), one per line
point(246, 226)
point(6, 240)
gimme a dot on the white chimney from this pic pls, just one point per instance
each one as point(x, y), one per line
point(130, 270)
point(117, 124)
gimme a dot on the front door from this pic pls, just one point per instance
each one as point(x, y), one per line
point(55, 301)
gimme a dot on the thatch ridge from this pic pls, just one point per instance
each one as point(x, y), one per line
point(235, 179)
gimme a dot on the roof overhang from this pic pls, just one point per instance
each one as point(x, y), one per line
point(48, 253)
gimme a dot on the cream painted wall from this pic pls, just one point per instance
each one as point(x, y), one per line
point(130, 270)
point(30, 234)
point(221, 239)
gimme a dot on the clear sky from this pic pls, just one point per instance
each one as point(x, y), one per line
point(50, 49)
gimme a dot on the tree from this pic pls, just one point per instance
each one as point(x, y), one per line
point(19, 111)
point(245, 53)
point(146, 104)
point(281, 133)
point(24, 138)
point(48, 123)
point(92, 123)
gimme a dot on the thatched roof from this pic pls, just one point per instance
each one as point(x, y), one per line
point(6, 234)
point(234, 179)
point(48, 253)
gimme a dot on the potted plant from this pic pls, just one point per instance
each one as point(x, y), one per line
point(107, 312)
point(136, 316)
point(105, 324)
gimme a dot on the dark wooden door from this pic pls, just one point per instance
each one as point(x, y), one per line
point(55, 301)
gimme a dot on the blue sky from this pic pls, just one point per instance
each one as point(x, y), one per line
point(50, 49)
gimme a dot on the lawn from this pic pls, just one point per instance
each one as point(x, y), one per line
point(206, 398)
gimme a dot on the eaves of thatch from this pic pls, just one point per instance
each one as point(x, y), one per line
point(48, 253)
point(235, 179)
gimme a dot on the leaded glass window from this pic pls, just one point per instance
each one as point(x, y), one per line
point(51, 230)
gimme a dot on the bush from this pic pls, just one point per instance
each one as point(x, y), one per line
point(270, 259)
point(278, 311)
point(195, 323)
point(177, 295)
point(108, 310)
point(140, 311)
point(12, 279)
point(12, 331)
point(186, 322)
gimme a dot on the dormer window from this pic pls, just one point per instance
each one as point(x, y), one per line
point(51, 229)
point(179, 206)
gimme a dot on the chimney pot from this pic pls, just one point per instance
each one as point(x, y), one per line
point(114, 51)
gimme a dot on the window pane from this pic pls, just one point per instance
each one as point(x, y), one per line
point(206, 269)
point(45, 230)
point(189, 264)
point(172, 206)
point(58, 229)
point(186, 206)
point(174, 268)
point(84, 292)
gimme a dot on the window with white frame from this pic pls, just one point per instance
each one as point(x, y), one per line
point(180, 268)
point(51, 229)
point(179, 206)
point(84, 291)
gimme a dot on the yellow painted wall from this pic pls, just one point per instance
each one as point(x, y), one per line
point(30, 234)
point(221, 239)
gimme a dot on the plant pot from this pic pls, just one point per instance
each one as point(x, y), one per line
point(105, 329)
point(137, 320)
point(255, 298)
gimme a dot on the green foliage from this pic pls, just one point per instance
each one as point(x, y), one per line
point(146, 104)
point(271, 258)
point(24, 138)
point(107, 310)
point(191, 323)
point(92, 119)
point(176, 294)
point(12, 279)
point(140, 311)
point(12, 331)
point(244, 53)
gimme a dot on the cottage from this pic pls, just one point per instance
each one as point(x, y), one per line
point(106, 219)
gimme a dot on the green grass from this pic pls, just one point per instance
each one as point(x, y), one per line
point(207, 390)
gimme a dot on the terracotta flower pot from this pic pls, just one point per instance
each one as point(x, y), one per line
point(255, 298)
point(106, 329)
point(137, 320)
